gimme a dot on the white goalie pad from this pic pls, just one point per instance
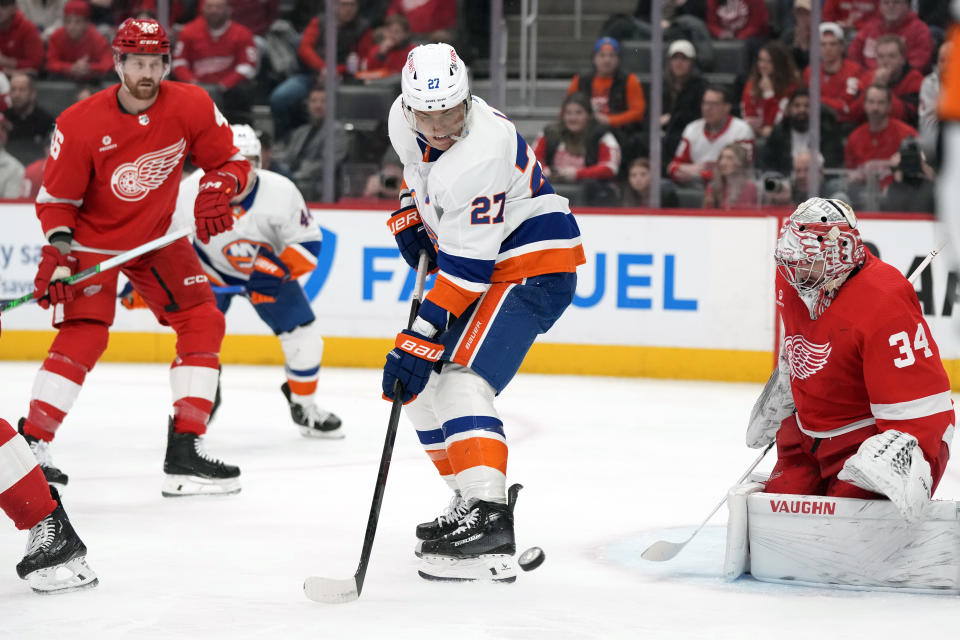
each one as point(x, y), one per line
point(853, 544)
point(736, 561)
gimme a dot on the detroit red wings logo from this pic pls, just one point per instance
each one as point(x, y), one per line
point(806, 358)
point(132, 181)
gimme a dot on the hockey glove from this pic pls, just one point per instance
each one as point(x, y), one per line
point(212, 207)
point(269, 272)
point(774, 405)
point(411, 236)
point(130, 298)
point(410, 363)
point(54, 267)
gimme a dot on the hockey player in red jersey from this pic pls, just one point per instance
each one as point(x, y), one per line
point(110, 184)
point(860, 402)
point(55, 560)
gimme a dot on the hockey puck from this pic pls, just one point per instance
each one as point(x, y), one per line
point(531, 558)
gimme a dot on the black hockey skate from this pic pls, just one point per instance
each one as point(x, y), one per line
point(191, 471)
point(480, 548)
point(55, 560)
point(41, 451)
point(445, 522)
point(313, 421)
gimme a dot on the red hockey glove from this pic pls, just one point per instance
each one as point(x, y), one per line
point(212, 208)
point(54, 267)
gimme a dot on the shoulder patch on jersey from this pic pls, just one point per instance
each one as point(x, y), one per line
point(806, 358)
point(132, 181)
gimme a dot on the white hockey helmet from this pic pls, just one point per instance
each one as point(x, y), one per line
point(434, 78)
point(245, 139)
point(818, 248)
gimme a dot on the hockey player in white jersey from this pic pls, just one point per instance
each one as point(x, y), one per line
point(506, 248)
point(273, 242)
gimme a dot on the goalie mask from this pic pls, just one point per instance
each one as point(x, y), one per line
point(818, 248)
point(433, 84)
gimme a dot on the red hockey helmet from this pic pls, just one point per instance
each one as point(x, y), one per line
point(141, 36)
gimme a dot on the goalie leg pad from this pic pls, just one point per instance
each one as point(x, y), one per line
point(736, 560)
point(892, 464)
point(853, 544)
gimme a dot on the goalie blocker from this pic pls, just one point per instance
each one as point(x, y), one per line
point(844, 543)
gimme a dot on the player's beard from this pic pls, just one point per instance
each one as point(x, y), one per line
point(143, 89)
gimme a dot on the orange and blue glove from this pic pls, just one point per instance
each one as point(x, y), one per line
point(410, 362)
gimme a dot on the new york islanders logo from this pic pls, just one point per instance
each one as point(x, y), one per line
point(806, 358)
point(132, 181)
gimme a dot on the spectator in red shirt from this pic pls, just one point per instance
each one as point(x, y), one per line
point(772, 80)
point(21, 48)
point(872, 147)
point(354, 41)
point(76, 50)
point(892, 72)
point(839, 76)
point(579, 149)
point(851, 15)
point(616, 96)
point(894, 17)
point(215, 51)
point(390, 54)
point(433, 20)
point(732, 186)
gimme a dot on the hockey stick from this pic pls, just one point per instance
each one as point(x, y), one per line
point(110, 263)
point(336, 590)
point(923, 265)
point(665, 550)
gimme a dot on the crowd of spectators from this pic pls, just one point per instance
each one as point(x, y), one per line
point(726, 142)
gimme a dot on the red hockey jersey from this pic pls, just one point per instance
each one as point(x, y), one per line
point(113, 177)
point(868, 359)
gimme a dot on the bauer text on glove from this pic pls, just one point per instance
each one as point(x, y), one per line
point(410, 362)
point(411, 237)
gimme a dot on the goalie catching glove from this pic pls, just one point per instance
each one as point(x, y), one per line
point(410, 363)
point(54, 267)
point(892, 464)
point(212, 209)
point(269, 273)
point(410, 233)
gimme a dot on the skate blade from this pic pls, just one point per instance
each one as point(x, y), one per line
point(333, 434)
point(175, 486)
point(493, 567)
point(73, 575)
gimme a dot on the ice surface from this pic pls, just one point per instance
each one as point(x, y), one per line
point(609, 465)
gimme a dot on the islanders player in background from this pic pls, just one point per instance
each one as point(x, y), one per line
point(506, 248)
point(860, 402)
point(274, 241)
point(110, 185)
